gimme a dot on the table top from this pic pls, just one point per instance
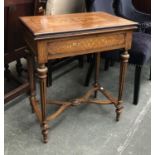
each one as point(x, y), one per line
point(41, 25)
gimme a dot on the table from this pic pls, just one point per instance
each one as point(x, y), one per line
point(59, 36)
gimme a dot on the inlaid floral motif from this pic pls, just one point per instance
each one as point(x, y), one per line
point(85, 43)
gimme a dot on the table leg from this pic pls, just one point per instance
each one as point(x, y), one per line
point(123, 68)
point(42, 74)
point(30, 64)
point(97, 68)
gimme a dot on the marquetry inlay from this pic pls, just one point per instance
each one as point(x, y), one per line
point(81, 44)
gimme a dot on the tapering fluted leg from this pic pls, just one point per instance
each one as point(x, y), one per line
point(30, 67)
point(123, 68)
point(97, 68)
point(42, 74)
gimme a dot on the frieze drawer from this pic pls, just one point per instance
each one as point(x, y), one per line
point(81, 45)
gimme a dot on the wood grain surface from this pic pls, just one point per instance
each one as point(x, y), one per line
point(73, 22)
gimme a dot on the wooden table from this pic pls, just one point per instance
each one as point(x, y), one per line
point(59, 36)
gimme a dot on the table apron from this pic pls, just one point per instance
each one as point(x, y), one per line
point(49, 49)
point(58, 48)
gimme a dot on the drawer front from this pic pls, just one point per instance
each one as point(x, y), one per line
point(85, 44)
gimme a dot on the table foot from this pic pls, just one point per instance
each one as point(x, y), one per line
point(45, 131)
point(119, 109)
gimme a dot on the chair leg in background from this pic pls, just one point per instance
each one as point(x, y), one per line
point(106, 66)
point(89, 58)
point(49, 74)
point(112, 62)
point(7, 72)
point(90, 71)
point(137, 84)
point(150, 73)
point(19, 68)
point(81, 61)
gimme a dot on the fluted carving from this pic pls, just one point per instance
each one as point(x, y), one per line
point(123, 68)
point(42, 74)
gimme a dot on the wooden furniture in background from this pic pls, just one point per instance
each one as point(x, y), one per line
point(14, 45)
point(143, 5)
point(141, 45)
point(59, 36)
